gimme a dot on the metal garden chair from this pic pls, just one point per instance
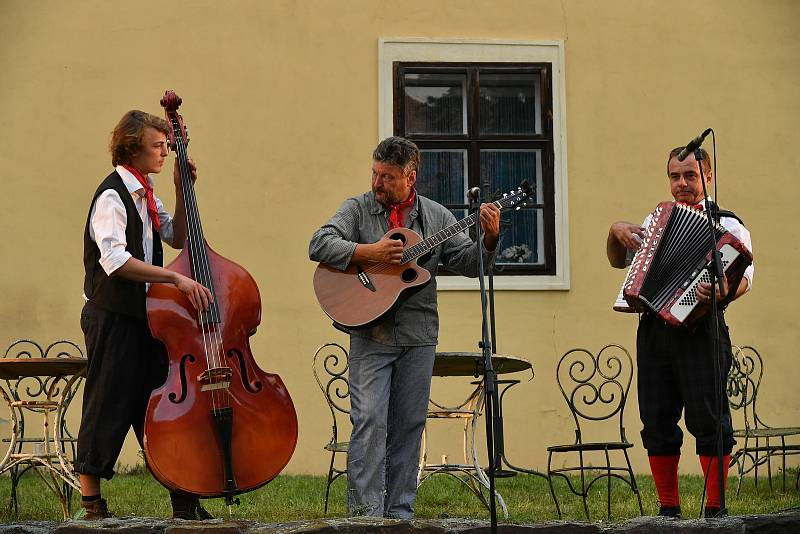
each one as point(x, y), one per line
point(330, 372)
point(596, 390)
point(761, 441)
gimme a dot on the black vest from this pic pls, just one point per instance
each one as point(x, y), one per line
point(116, 293)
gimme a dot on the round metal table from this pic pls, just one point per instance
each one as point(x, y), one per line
point(49, 383)
point(453, 364)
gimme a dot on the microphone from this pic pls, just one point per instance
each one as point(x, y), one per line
point(474, 193)
point(693, 145)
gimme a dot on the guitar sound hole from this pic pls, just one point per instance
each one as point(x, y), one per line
point(399, 237)
point(409, 275)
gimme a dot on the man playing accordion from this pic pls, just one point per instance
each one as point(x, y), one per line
point(676, 364)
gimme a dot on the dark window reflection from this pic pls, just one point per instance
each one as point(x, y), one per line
point(509, 104)
point(442, 177)
point(434, 104)
point(522, 236)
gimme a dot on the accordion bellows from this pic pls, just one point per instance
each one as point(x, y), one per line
point(673, 259)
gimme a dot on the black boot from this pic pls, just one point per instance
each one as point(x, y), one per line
point(670, 511)
point(187, 506)
point(714, 512)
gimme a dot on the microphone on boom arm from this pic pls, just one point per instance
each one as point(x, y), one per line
point(693, 145)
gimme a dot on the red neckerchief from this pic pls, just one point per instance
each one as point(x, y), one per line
point(396, 214)
point(152, 210)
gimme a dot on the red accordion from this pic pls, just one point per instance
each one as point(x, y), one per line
point(673, 259)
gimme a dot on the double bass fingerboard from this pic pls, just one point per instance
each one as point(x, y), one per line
point(198, 256)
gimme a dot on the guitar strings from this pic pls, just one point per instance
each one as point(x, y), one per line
point(383, 267)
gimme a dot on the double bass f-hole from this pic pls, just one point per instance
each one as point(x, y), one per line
point(233, 427)
point(243, 371)
point(172, 397)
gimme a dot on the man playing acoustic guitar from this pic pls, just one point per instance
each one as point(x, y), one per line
point(391, 359)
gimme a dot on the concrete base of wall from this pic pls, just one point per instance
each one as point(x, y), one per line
point(765, 524)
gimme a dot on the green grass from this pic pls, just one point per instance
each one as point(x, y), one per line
point(290, 498)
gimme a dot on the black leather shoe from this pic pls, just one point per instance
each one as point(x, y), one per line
point(670, 511)
point(186, 506)
point(714, 512)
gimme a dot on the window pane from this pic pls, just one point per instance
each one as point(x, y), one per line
point(522, 237)
point(504, 170)
point(510, 104)
point(443, 177)
point(435, 104)
point(522, 231)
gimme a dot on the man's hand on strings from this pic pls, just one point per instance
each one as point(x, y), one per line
point(387, 250)
point(177, 171)
point(199, 295)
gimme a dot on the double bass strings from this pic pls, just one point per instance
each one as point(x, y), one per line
point(212, 341)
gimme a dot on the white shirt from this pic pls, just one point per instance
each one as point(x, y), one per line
point(738, 231)
point(109, 220)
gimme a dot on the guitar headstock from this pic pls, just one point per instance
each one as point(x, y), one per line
point(178, 130)
point(516, 197)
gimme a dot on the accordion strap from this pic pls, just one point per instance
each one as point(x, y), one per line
point(717, 213)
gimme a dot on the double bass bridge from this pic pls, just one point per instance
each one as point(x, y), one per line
point(215, 378)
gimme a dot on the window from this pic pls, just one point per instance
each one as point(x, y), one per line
point(488, 115)
point(485, 125)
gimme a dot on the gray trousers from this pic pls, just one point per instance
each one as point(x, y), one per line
point(389, 391)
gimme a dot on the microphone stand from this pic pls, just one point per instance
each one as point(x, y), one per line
point(489, 378)
point(716, 273)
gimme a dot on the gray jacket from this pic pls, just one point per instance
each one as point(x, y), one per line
point(361, 219)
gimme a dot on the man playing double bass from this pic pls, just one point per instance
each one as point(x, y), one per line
point(390, 364)
point(122, 255)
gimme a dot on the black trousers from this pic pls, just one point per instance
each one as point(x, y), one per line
point(676, 372)
point(125, 364)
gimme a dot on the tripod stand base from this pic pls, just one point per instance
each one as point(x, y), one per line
point(504, 473)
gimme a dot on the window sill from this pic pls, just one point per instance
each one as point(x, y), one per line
point(504, 283)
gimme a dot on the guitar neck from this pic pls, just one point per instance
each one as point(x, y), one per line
point(426, 245)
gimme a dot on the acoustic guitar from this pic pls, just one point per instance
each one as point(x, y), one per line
point(362, 293)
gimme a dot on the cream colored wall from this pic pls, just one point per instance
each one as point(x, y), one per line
point(281, 101)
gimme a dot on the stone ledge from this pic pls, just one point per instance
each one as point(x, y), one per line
point(788, 523)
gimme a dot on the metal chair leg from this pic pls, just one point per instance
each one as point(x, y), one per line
point(608, 486)
point(330, 481)
point(783, 461)
point(583, 486)
point(634, 485)
point(550, 482)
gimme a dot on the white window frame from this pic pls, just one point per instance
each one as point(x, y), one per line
point(392, 49)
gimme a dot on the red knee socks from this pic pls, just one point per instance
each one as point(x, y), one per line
point(711, 472)
point(665, 476)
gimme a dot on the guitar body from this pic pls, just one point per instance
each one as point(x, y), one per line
point(362, 293)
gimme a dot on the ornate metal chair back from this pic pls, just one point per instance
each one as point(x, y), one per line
point(330, 372)
point(596, 389)
point(744, 380)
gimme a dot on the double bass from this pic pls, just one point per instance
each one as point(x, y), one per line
point(219, 426)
